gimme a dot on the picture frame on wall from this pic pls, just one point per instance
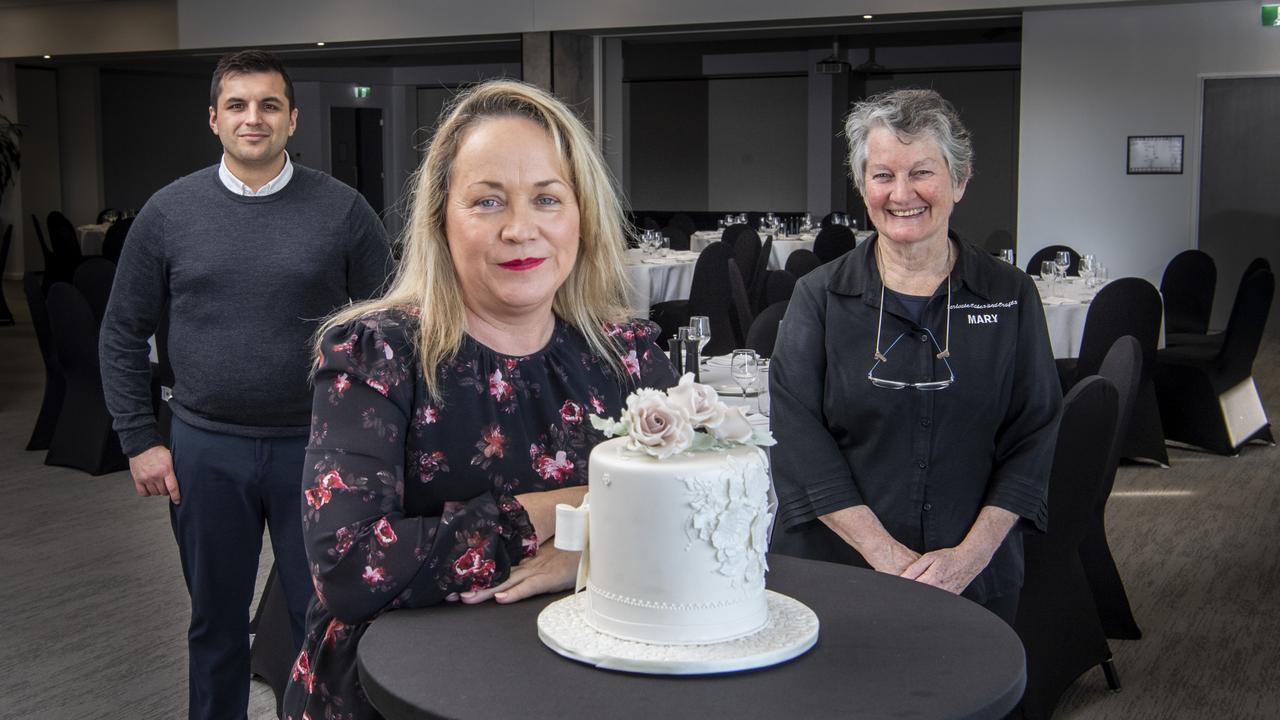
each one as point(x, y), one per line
point(1155, 155)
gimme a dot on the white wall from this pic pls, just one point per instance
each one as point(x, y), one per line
point(1091, 78)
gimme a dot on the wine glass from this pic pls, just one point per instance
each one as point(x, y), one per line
point(701, 325)
point(1062, 260)
point(1086, 269)
point(1048, 271)
point(744, 364)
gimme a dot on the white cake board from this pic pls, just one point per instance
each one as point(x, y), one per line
point(791, 630)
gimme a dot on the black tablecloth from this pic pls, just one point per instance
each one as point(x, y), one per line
point(887, 648)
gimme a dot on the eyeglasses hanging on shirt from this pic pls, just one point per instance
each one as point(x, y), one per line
point(944, 351)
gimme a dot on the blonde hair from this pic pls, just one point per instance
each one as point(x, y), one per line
point(594, 292)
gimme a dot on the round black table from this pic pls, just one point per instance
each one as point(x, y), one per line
point(887, 648)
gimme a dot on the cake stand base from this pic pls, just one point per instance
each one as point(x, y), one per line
point(791, 630)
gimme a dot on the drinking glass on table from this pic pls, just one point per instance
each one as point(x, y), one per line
point(1048, 271)
point(701, 325)
point(1086, 268)
point(1062, 261)
point(744, 365)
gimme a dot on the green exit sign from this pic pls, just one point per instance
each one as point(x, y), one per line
point(1271, 15)
point(363, 91)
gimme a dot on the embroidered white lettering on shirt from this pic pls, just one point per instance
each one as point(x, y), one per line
point(984, 306)
point(983, 319)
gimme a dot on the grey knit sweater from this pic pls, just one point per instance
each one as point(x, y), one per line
point(245, 279)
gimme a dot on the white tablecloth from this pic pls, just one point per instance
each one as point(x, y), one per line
point(783, 245)
point(716, 373)
point(1065, 313)
point(658, 279)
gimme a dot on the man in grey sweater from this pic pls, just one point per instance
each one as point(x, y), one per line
point(245, 257)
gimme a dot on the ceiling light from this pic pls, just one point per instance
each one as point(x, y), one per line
point(48, 57)
point(866, 17)
point(320, 44)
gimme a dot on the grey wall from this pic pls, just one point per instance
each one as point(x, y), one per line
point(32, 29)
point(80, 141)
point(756, 132)
point(155, 129)
point(667, 165)
point(1092, 77)
point(41, 177)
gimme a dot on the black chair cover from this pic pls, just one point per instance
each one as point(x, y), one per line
point(684, 222)
point(801, 262)
point(55, 385)
point(755, 284)
point(106, 214)
point(1187, 287)
point(6, 315)
point(93, 279)
point(730, 234)
point(832, 242)
point(272, 654)
point(83, 437)
point(63, 240)
point(1191, 380)
point(709, 295)
point(1123, 367)
point(1057, 619)
point(1127, 306)
point(679, 237)
point(113, 243)
point(1049, 253)
point(53, 271)
point(740, 311)
point(778, 287)
point(648, 223)
point(764, 330)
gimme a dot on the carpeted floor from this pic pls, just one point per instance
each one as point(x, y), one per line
point(93, 611)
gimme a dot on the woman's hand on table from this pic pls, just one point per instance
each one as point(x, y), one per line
point(551, 570)
point(541, 507)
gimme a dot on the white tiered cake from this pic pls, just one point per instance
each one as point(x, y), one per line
point(677, 546)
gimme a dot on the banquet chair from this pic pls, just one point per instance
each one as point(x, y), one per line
point(648, 223)
point(271, 655)
point(763, 334)
point(746, 250)
point(730, 234)
point(832, 242)
point(106, 215)
point(740, 313)
point(53, 271)
point(6, 315)
point(801, 262)
point(1206, 393)
point(1049, 253)
point(1057, 618)
point(55, 385)
point(827, 221)
point(678, 236)
point(83, 437)
point(1123, 367)
point(1187, 287)
point(684, 222)
point(1127, 306)
point(63, 240)
point(1214, 339)
point(113, 242)
point(93, 279)
point(778, 286)
point(709, 295)
point(755, 283)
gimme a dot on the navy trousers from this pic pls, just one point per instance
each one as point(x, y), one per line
point(230, 487)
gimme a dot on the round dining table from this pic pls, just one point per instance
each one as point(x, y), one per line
point(887, 647)
point(658, 278)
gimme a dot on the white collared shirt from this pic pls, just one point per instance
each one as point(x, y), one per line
point(276, 184)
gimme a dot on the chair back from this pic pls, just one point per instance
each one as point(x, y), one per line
point(755, 283)
point(4, 251)
point(93, 279)
point(730, 234)
point(1086, 435)
point(801, 262)
point(678, 236)
point(740, 311)
point(1246, 324)
point(1187, 287)
point(778, 286)
point(108, 215)
point(1258, 263)
point(764, 329)
point(74, 331)
point(63, 240)
point(1127, 306)
point(1122, 366)
point(684, 222)
point(113, 243)
point(1050, 253)
point(648, 223)
point(832, 242)
point(709, 295)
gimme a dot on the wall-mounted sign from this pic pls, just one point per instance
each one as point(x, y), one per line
point(363, 91)
point(1155, 154)
point(1271, 15)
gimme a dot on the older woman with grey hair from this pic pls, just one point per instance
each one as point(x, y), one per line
point(915, 400)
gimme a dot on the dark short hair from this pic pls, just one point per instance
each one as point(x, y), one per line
point(248, 62)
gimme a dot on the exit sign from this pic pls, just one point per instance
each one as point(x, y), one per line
point(363, 91)
point(1271, 15)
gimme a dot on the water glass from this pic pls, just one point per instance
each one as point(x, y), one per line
point(1087, 263)
point(1048, 271)
point(1062, 260)
point(745, 366)
point(701, 325)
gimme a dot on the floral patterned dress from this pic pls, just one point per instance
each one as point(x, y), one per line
point(407, 500)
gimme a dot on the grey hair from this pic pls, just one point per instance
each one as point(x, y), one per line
point(910, 115)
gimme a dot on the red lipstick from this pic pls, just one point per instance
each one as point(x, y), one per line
point(521, 264)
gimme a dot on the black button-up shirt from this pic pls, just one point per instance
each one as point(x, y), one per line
point(925, 462)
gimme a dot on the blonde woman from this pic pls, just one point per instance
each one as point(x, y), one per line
point(451, 414)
